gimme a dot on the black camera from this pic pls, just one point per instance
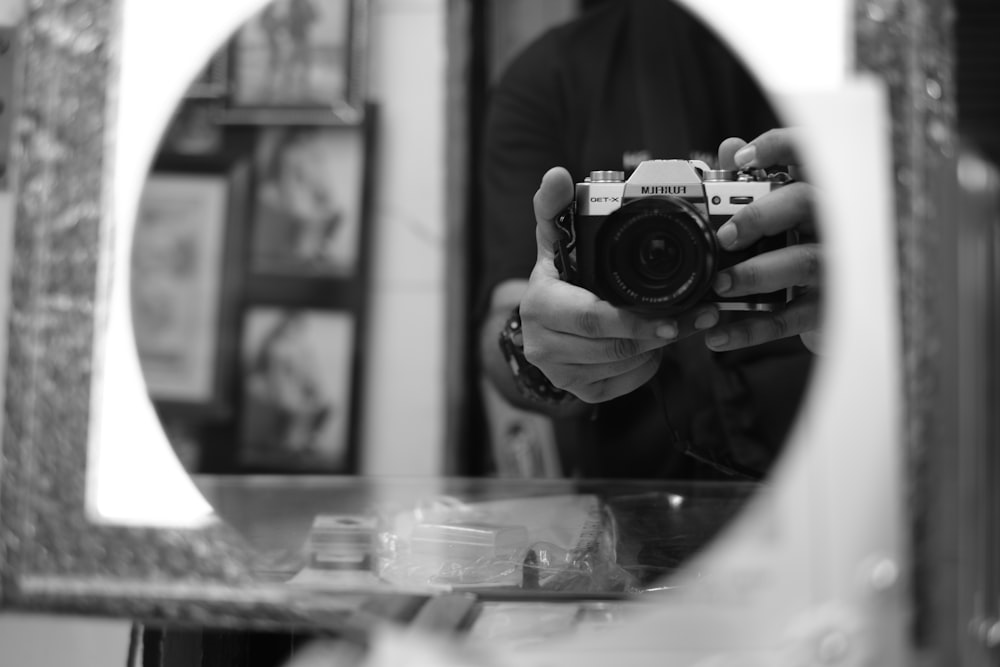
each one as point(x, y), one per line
point(649, 243)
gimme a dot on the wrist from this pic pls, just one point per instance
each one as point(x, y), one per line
point(533, 387)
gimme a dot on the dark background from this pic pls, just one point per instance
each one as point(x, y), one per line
point(977, 31)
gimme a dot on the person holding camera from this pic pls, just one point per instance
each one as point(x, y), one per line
point(693, 394)
point(596, 351)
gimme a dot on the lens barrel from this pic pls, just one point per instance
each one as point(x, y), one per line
point(657, 254)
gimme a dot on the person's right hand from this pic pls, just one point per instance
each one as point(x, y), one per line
point(583, 344)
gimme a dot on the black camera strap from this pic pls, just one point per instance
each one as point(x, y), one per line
point(565, 244)
point(719, 461)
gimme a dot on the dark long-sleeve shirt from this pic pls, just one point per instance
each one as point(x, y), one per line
point(634, 80)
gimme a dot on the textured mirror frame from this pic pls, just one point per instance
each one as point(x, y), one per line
point(910, 45)
point(53, 558)
point(950, 360)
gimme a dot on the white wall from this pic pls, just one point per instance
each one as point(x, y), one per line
point(403, 422)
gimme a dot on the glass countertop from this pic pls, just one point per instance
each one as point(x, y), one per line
point(501, 539)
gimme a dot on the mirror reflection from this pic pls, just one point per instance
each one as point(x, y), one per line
point(638, 326)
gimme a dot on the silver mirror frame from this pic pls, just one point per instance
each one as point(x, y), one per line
point(910, 46)
point(53, 557)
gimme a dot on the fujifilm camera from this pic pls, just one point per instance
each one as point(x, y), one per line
point(648, 243)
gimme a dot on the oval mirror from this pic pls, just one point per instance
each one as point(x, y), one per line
point(331, 225)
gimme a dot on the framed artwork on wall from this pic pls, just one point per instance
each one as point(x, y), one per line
point(300, 61)
point(307, 201)
point(297, 389)
point(304, 298)
point(177, 278)
point(230, 244)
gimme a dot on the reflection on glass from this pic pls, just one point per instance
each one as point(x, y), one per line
point(266, 380)
point(682, 345)
point(250, 347)
point(499, 539)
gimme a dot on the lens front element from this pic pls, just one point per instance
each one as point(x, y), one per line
point(656, 254)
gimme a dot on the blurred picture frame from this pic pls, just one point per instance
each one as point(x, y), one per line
point(300, 62)
point(298, 389)
point(194, 129)
point(183, 279)
point(176, 282)
point(307, 218)
point(212, 82)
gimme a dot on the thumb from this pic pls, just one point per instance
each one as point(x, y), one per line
point(554, 194)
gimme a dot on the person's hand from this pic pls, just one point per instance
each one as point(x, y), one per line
point(790, 207)
point(583, 344)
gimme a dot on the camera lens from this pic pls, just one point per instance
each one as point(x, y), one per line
point(657, 257)
point(656, 254)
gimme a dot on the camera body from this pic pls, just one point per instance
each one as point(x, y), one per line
point(649, 243)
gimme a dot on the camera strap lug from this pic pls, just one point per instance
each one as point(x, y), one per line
point(566, 244)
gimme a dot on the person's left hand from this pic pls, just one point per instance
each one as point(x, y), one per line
point(789, 207)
